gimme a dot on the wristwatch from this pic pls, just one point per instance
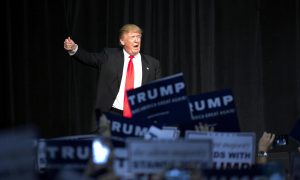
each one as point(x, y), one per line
point(262, 154)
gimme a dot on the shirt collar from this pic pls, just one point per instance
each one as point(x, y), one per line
point(127, 55)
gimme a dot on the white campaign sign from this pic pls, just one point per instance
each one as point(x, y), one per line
point(229, 149)
point(154, 156)
point(165, 133)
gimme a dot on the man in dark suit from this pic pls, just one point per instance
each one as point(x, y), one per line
point(112, 64)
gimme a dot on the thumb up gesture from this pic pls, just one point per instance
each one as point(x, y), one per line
point(69, 44)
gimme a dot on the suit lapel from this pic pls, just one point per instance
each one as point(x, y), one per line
point(145, 69)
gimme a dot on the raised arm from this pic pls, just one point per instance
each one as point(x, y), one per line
point(92, 59)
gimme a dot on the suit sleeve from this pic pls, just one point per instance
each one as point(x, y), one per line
point(92, 59)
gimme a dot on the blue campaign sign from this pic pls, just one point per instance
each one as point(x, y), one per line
point(58, 153)
point(162, 102)
point(217, 109)
point(124, 127)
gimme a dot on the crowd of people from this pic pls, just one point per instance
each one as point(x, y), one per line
point(263, 147)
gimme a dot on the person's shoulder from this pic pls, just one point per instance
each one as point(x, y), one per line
point(150, 58)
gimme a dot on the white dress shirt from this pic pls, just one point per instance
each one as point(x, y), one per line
point(137, 64)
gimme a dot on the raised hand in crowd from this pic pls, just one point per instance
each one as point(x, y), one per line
point(204, 127)
point(264, 145)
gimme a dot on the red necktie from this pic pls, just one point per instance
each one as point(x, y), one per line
point(129, 84)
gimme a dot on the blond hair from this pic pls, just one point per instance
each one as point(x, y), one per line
point(129, 28)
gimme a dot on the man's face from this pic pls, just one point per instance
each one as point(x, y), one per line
point(131, 42)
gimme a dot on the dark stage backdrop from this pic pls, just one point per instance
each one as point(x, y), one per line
point(251, 47)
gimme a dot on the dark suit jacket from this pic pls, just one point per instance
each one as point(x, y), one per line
point(110, 66)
